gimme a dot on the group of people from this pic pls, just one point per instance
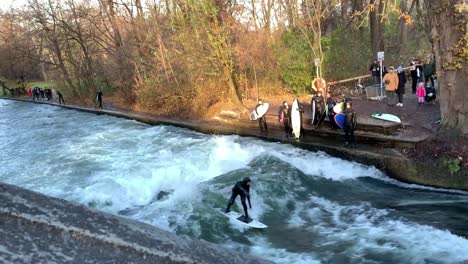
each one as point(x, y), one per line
point(39, 94)
point(422, 78)
point(322, 107)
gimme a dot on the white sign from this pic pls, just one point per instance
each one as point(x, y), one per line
point(380, 55)
point(317, 62)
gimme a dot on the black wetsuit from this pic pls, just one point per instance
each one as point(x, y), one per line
point(285, 117)
point(243, 190)
point(349, 125)
point(319, 106)
point(99, 99)
point(262, 121)
point(331, 115)
point(60, 98)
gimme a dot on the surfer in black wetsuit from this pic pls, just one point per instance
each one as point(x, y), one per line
point(350, 124)
point(99, 98)
point(285, 118)
point(319, 105)
point(241, 188)
point(261, 120)
point(331, 115)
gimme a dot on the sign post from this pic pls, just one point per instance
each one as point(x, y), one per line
point(380, 58)
point(317, 65)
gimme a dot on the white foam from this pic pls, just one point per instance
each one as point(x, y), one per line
point(366, 228)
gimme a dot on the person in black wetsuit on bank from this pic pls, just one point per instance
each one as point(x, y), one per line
point(241, 188)
point(350, 124)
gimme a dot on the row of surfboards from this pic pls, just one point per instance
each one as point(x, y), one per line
point(296, 116)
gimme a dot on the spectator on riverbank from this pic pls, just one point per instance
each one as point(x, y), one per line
point(262, 120)
point(401, 85)
point(374, 69)
point(391, 84)
point(429, 71)
point(99, 98)
point(350, 124)
point(420, 72)
point(59, 94)
point(30, 92)
point(421, 93)
point(285, 118)
point(430, 93)
point(42, 92)
point(414, 75)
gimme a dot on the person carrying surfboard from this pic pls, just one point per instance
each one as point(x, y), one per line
point(241, 188)
point(261, 120)
point(350, 124)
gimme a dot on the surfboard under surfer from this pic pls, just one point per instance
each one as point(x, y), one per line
point(241, 188)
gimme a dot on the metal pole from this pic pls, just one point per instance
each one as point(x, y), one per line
point(381, 84)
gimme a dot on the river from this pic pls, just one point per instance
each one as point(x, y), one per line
point(319, 209)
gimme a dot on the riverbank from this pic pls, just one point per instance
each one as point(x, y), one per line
point(435, 172)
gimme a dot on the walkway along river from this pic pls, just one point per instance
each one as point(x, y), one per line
point(319, 208)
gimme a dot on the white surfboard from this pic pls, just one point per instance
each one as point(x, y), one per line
point(261, 111)
point(387, 117)
point(296, 119)
point(238, 218)
point(338, 108)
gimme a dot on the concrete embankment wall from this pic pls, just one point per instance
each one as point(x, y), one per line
point(35, 228)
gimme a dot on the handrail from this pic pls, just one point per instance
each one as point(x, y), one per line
point(355, 78)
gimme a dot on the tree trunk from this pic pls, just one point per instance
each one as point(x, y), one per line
point(403, 32)
point(376, 28)
point(449, 44)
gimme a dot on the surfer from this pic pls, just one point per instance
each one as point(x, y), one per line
point(285, 118)
point(331, 115)
point(60, 97)
point(99, 98)
point(319, 104)
point(350, 124)
point(241, 188)
point(261, 120)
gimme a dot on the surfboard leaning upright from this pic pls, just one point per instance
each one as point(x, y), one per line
point(296, 119)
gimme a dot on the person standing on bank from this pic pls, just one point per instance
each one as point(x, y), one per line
point(241, 188)
point(319, 105)
point(285, 118)
point(429, 71)
point(99, 98)
point(350, 124)
point(374, 68)
point(401, 86)
point(331, 102)
point(391, 84)
point(262, 120)
point(414, 76)
point(60, 96)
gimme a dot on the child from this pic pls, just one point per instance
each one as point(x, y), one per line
point(421, 93)
point(430, 93)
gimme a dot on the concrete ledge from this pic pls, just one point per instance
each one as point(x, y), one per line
point(35, 228)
